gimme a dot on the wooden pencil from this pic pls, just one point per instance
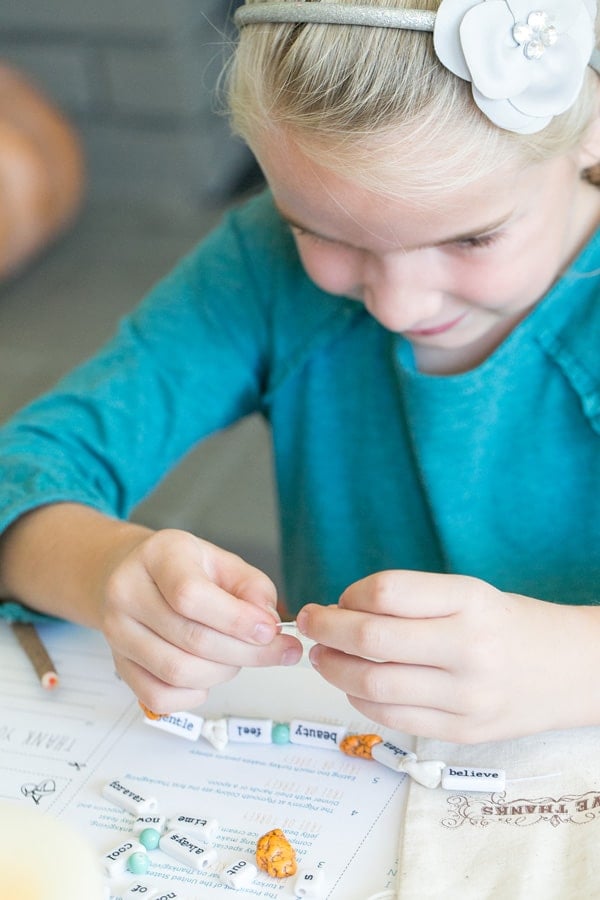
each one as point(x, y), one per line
point(30, 641)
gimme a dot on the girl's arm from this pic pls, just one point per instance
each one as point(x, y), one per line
point(180, 614)
point(451, 657)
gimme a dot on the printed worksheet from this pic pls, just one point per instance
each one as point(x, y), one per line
point(58, 749)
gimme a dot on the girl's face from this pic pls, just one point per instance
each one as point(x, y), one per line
point(453, 274)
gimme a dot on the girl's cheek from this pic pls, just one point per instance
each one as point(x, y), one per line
point(333, 271)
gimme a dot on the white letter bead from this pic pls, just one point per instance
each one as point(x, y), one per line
point(142, 822)
point(115, 861)
point(203, 829)
point(249, 731)
point(183, 724)
point(162, 894)
point(238, 874)
point(390, 755)
point(458, 778)
point(310, 884)
point(187, 850)
point(139, 890)
point(128, 798)
point(316, 734)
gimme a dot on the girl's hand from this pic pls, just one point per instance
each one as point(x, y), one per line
point(182, 615)
point(454, 658)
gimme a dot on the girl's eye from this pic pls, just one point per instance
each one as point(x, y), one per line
point(316, 238)
point(480, 241)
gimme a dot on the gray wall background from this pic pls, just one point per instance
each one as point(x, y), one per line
point(137, 78)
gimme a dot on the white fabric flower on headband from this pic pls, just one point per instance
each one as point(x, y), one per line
point(526, 63)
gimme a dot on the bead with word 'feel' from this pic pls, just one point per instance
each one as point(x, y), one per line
point(360, 745)
point(155, 822)
point(275, 855)
point(280, 733)
point(239, 874)
point(249, 731)
point(149, 838)
point(188, 850)
point(138, 863)
point(128, 798)
point(115, 861)
point(183, 724)
point(316, 734)
point(310, 884)
point(202, 828)
point(462, 778)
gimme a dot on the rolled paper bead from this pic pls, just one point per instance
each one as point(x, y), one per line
point(427, 772)
point(157, 823)
point(215, 732)
point(275, 855)
point(182, 724)
point(280, 733)
point(238, 874)
point(310, 884)
point(360, 745)
point(316, 734)
point(187, 850)
point(138, 863)
point(202, 828)
point(128, 798)
point(149, 838)
point(249, 731)
point(466, 778)
point(115, 861)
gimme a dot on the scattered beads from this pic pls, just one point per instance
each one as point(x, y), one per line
point(138, 862)
point(275, 855)
point(310, 884)
point(149, 838)
point(239, 874)
point(128, 798)
point(187, 850)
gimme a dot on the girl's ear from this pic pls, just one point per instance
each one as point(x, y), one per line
point(589, 149)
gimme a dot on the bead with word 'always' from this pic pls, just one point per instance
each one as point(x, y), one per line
point(238, 874)
point(360, 745)
point(316, 734)
point(249, 731)
point(203, 828)
point(310, 884)
point(152, 821)
point(188, 850)
point(215, 732)
point(149, 838)
point(138, 863)
point(275, 855)
point(466, 778)
point(128, 798)
point(183, 724)
point(280, 733)
point(115, 861)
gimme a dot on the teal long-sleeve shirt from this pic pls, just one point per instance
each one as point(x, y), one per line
point(493, 473)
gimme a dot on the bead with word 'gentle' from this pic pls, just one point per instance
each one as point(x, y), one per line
point(275, 855)
point(310, 884)
point(465, 778)
point(183, 724)
point(149, 838)
point(238, 874)
point(115, 861)
point(138, 863)
point(128, 798)
point(188, 850)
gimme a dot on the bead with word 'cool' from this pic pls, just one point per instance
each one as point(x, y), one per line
point(188, 850)
point(128, 798)
point(310, 884)
point(239, 874)
point(115, 861)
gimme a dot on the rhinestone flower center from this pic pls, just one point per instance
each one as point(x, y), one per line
point(536, 34)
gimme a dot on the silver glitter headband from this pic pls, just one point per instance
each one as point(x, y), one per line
point(305, 11)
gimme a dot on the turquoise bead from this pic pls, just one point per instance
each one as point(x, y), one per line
point(149, 838)
point(138, 863)
point(280, 733)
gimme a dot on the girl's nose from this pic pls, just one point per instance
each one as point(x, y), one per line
point(403, 293)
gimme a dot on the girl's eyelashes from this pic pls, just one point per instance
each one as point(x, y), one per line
point(479, 241)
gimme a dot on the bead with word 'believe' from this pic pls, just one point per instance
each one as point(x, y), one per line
point(188, 850)
point(316, 734)
point(238, 874)
point(466, 778)
point(202, 828)
point(310, 884)
point(128, 798)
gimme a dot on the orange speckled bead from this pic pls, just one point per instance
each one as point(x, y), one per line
point(275, 855)
point(360, 745)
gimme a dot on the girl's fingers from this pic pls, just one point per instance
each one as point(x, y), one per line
point(423, 721)
point(160, 696)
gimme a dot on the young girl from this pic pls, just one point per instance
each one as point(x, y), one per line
point(414, 307)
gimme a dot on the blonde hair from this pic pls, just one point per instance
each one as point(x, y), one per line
point(376, 102)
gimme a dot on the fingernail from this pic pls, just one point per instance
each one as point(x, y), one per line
point(313, 657)
point(263, 633)
point(301, 621)
point(291, 656)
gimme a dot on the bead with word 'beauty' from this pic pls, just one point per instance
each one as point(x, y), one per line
point(310, 884)
point(316, 734)
point(280, 733)
point(149, 838)
point(138, 863)
point(238, 874)
point(275, 855)
point(188, 850)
